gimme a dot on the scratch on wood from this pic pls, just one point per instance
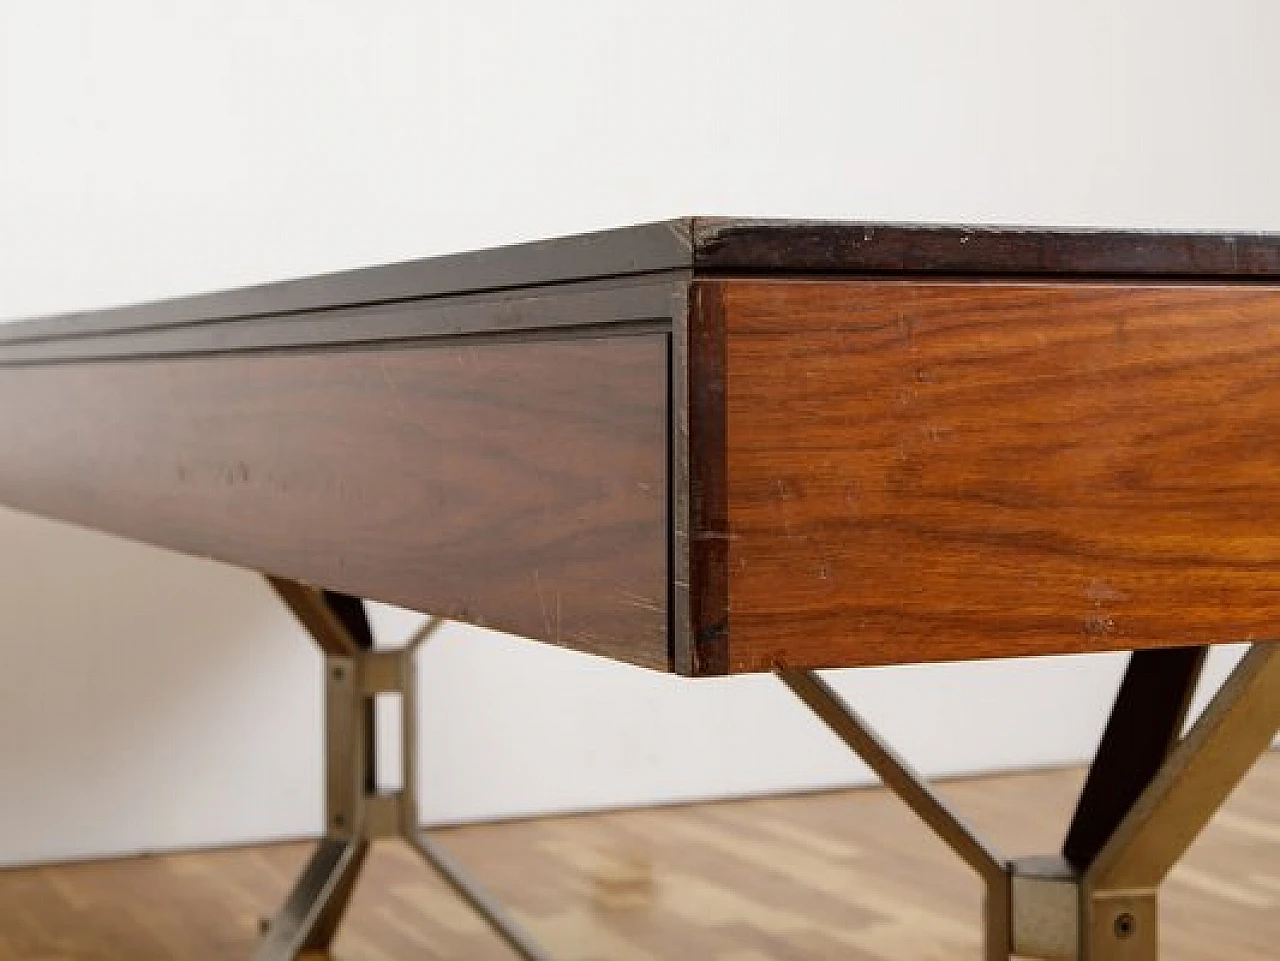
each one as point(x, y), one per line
point(542, 603)
point(1101, 592)
point(1095, 625)
point(637, 600)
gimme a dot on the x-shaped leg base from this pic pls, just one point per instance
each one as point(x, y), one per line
point(1149, 793)
point(356, 812)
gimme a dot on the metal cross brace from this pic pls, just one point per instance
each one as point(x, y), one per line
point(1149, 794)
point(356, 812)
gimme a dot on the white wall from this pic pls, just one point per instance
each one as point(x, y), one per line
point(150, 149)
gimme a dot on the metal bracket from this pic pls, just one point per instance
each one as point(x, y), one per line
point(356, 812)
point(1149, 794)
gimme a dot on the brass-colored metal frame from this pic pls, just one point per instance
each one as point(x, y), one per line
point(356, 813)
point(1150, 792)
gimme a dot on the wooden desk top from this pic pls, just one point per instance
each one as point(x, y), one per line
point(707, 445)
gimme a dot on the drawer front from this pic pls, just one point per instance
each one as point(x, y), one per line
point(520, 486)
point(921, 471)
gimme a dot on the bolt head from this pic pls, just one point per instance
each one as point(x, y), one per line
point(1125, 926)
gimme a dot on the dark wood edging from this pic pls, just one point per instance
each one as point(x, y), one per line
point(710, 246)
point(650, 248)
point(731, 245)
point(583, 309)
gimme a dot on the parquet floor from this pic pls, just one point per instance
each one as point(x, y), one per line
point(846, 875)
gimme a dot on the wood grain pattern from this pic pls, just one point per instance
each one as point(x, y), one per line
point(517, 486)
point(844, 874)
point(949, 470)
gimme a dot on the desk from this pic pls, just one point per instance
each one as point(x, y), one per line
point(715, 447)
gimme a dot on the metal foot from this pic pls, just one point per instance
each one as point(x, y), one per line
point(314, 909)
point(356, 812)
point(1148, 795)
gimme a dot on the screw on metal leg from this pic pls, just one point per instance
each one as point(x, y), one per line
point(1149, 795)
point(1120, 927)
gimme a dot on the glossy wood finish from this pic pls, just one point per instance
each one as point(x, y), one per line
point(521, 486)
point(845, 874)
point(1093, 458)
point(921, 471)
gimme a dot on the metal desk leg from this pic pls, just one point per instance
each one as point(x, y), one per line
point(311, 915)
point(356, 813)
point(1149, 794)
point(900, 778)
point(1118, 887)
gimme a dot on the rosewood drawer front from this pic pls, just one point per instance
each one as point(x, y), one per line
point(517, 485)
point(922, 471)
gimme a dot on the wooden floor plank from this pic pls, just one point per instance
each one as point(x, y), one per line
point(846, 874)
